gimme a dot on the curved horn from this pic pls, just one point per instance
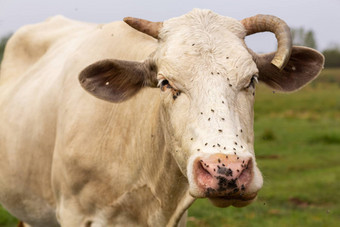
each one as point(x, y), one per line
point(148, 27)
point(262, 23)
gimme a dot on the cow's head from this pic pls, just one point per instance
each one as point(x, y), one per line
point(206, 77)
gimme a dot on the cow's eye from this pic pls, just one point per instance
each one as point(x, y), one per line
point(164, 85)
point(253, 81)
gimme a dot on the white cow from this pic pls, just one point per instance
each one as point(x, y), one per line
point(132, 154)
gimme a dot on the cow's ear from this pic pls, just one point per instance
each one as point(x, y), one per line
point(117, 80)
point(304, 65)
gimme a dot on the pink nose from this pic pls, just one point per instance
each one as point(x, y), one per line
point(223, 175)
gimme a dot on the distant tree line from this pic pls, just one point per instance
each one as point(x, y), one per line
point(332, 56)
point(300, 37)
point(3, 42)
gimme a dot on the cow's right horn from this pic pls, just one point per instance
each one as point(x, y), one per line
point(148, 27)
point(262, 23)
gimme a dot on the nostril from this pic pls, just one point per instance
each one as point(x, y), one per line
point(203, 176)
point(203, 167)
point(245, 176)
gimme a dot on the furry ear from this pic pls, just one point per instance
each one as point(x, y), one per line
point(304, 65)
point(117, 80)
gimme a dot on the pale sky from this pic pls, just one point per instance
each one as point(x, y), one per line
point(322, 16)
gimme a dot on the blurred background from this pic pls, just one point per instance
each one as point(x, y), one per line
point(297, 136)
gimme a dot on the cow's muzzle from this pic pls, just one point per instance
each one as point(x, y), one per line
point(225, 179)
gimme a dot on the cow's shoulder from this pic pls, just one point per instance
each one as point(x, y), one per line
point(31, 42)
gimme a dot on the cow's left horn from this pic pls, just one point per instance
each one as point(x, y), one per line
point(148, 27)
point(262, 23)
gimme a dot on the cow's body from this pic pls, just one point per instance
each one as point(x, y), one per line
point(41, 138)
point(70, 159)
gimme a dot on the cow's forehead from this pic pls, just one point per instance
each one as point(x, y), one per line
point(201, 43)
point(196, 22)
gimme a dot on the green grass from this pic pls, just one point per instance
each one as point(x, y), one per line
point(6, 220)
point(297, 144)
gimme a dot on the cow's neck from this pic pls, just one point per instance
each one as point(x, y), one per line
point(170, 185)
point(159, 177)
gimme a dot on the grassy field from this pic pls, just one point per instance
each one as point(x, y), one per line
point(298, 151)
